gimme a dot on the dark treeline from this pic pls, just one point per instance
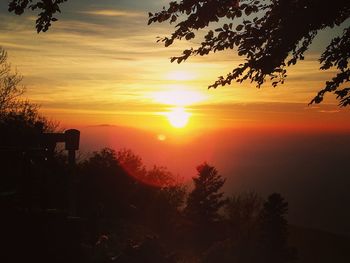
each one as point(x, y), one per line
point(117, 217)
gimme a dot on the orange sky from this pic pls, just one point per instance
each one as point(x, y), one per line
point(100, 64)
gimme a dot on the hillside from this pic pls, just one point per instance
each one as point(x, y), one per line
point(315, 246)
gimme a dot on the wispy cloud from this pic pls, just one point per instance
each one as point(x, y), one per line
point(99, 65)
point(329, 111)
point(113, 13)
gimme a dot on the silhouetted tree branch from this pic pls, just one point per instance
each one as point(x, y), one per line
point(14, 109)
point(47, 9)
point(269, 34)
point(10, 88)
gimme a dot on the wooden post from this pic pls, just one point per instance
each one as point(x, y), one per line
point(72, 137)
point(46, 143)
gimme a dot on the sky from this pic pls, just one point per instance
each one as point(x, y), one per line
point(100, 64)
point(100, 69)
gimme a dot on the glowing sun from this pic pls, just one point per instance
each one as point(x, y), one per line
point(179, 98)
point(178, 117)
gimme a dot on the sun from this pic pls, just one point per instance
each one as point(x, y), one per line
point(180, 99)
point(178, 117)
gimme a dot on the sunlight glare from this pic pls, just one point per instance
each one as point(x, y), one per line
point(178, 117)
point(178, 98)
point(161, 137)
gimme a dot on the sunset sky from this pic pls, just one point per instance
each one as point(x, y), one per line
point(99, 69)
point(100, 64)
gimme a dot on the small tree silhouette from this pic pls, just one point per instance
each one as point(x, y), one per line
point(205, 200)
point(274, 231)
point(203, 205)
point(243, 218)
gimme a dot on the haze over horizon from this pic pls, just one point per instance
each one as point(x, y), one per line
point(100, 64)
point(310, 169)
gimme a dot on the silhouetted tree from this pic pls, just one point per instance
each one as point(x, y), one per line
point(15, 111)
point(21, 126)
point(131, 163)
point(159, 195)
point(243, 216)
point(105, 187)
point(205, 200)
point(159, 176)
point(202, 207)
point(269, 34)
point(158, 190)
point(243, 211)
point(164, 209)
point(10, 88)
point(274, 231)
point(240, 235)
point(47, 9)
point(113, 185)
point(33, 184)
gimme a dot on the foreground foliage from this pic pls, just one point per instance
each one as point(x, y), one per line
point(269, 34)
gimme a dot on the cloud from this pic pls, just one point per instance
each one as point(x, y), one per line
point(103, 61)
point(113, 13)
point(329, 111)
